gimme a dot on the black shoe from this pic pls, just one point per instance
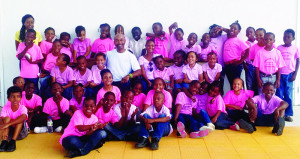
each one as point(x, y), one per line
point(275, 128)
point(11, 146)
point(281, 124)
point(245, 125)
point(143, 142)
point(74, 153)
point(253, 125)
point(154, 144)
point(3, 145)
point(288, 118)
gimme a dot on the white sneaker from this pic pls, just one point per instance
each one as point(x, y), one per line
point(210, 129)
point(38, 130)
point(58, 129)
point(211, 126)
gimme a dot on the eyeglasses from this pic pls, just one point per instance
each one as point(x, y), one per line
point(150, 66)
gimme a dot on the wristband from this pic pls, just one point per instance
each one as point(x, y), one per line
point(130, 75)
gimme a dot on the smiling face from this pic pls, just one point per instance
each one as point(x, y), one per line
point(104, 32)
point(49, 35)
point(109, 101)
point(60, 60)
point(205, 39)
point(82, 64)
point(65, 40)
point(192, 39)
point(89, 107)
point(268, 91)
point(107, 79)
point(136, 34)
point(29, 89)
point(158, 85)
point(269, 40)
point(214, 32)
point(250, 33)
point(158, 100)
point(259, 34)
point(160, 63)
point(237, 85)
point(191, 59)
point(178, 35)
point(78, 92)
point(212, 59)
point(288, 38)
point(150, 46)
point(214, 91)
point(137, 89)
point(81, 35)
point(234, 30)
point(127, 98)
point(203, 89)
point(100, 61)
point(157, 29)
point(29, 37)
point(119, 41)
point(15, 98)
point(56, 90)
point(194, 88)
point(56, 47)
point(20, 83)
point(178, 59)
point(29, 23)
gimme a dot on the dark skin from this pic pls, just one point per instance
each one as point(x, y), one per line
point(78, 93)
point(237, 87)
point(250, 33)
point(104, 33)
point(158, 86)
point(178, 61)
point(62, 67)
point(29, 24)
point(160, 65)
point(29, 90)
point(203, 89)
point(81, 36)
point(149, 56)
point(82, 70)
point(212, 60)
point(214, 92)
point(136, 34)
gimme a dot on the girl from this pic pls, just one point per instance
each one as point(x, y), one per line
point(19, 82)
point(119, 29)
point(104, 43)
point(96, 83)
point(179, 58)
point(81, 44)
point(259, 37)
point(67, 47)
point(192, 71)
point(212, 70)
point(161, 39)
point(192, 40)
point(12, 120)
point(83, 133)
point(139, 97)
point(163, 72)
point(27, 23)
point(235, 53)
point(206, 48)
point(158, 86)
point(177, 41)
point(107, 79)
point(147, 65)
point(183, 114)
point(46, 45)
point(76, 102)
point(83, 75)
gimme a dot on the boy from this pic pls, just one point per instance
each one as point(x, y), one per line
point(137, 44)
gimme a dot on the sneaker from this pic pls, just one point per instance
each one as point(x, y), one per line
point(11, 146)
point(3, 145)
point(281, 124)
point(143, 142)
point(245, 125)
point(38, 130)
point(210, 129)
point(235, 127)
point(180, 129)
point(59, 129)
point(211, 126)
point(198, 134)
point(253, 125)
point(154, 144)
point(288, 118)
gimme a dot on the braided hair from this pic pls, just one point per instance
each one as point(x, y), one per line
point(23, 28)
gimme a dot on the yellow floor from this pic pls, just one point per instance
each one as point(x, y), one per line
point(219, 144)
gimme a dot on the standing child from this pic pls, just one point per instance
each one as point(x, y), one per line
point(192, 71)
point(192, 46)
point(161, 39)
point(46, 45)
point(104, 43)
point(119, 29)
point(76, 102)
point(176, 38)
point(206, 48)
point(96, 83)
point(83, 75)
point(137, 44)
point(139, 97)
point(81, 44)
point(212, 70)
point(290, 54)
point(163, 72)
point(12, 120)
point(179, 58)
point(67, 47)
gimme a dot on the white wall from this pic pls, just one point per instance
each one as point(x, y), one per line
point(192, 16)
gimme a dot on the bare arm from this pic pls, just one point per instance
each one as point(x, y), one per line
point(88, 51)
point(177, 112)
point(296, 71)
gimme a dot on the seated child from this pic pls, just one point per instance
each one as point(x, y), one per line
point(84, 133)
point(104, 43)
point(137, 44)
point(163, 72)
point(206, 48)
point(139, 97)
point(267, 109)
point(81, 44)
point(12, 120)
point(119, 29)
point(155, 119)
point(161, 39)
point(212, 70)
point(76, 102)
point(96, 83)
point(179, 57)
point(192, 46)
point(192, 71)
point(176, 38)
point(46, 45)
point(83, 75)
point(67, 47)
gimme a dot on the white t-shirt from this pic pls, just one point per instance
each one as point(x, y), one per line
point(132, 109)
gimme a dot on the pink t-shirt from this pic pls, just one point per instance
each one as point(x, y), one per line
point(176, 45)
point(161, 45)
point(187, 105)
point(7, 111)
point(139, 100)
point(132, 109)
point(62, 77)
point(195, 48)
point(211, 73)
point(218, 44)
point(83, 79)
point(50, 107)
point(67, 51)
point(115, 90)
point(31, 103)
point(81, 46)
point(233, 49)
point(77, 105)
point(168, 98)
point(268, 62)
point(206, 51)
point(165, 74)
point(46, 46)
point(149, 66)
point(201, 102)
point(263, 106)
point(110, 117)
point(30, 70)
point(177, 72)
point(253, 51)
point(217, 105)
point(289, 54)
point(103, 45)
point(50, 62)
point(250, 44)
point(238, 100)
point(78, 118)
point(192, 73)
point(96, 74)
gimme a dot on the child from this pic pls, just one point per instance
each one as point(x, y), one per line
point(259, 36)
point(192, 46)
point(269, 110)
point(107, 80)
point(139, 97)
point(212, 70)
point(63, 74)
point(30, 56)
point(19, 82)
point(12, 120)
point(161, 39)
point(76, 102)
point(81, 44)
point(290, 55)
point(104, 43)
point(179, 57)
point(137, 44)
point(67, 47)
point(268, 63)
point(206, 48)
point(83, 75)
point(83, 133)
point(96, 83)
point(163, 72)
point(192, 71)
point(235, 53)
point(158, 86)
point(46, 45)
point(119, 29)
point(184, 111)
point(176, 38)
point(155, 118)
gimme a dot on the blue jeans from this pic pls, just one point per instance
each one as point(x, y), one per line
point(204, 118)
point(123, 134)
point(236, 115)
point(68, 93)
point(95, 90)
point(266, 78)
point(145, 86)
point(85, 143)
point(264, 119)
point(44, 82)
point(233, 72)
point(251, 82)
point(223, 122)
point(160, 129)
point(285, 92)
point(122, 86)
point(36, 84)
point(189, 121)
point(181, 85)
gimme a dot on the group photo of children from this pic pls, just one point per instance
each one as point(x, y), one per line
point(148, 85)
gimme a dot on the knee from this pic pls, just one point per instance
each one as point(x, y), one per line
point(100, 134)
point(162, 116)
point(147, 116)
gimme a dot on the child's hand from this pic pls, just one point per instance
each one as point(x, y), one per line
point(193, 99)
point(276, 115)
point(277, 84)
point(149, 83)
point(212, 100)
point(148, 126)
point(123, 111)
point(213, 120)
point(125, 79)
point(42, 75)
point(259, 83)
point(135, 112)
point(29, 46)
point(293, 77)
point(174, 25)
point(4, 126)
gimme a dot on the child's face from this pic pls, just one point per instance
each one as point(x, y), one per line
point(82, 64)
point(20, 83)
point(192, 58)
point(203, 89)
point(178, 35)
point(158, 100)
point(29, 23)
point(56, 90)
point(288, 38)
point(88, 108)
point(150, 46)
point(158, 85)
point(237, 85)
point(104, 32)
point(56, 47)
point(268, 91)
point(213, 92)
point(127, 99)
point(29, 37)
point(81, 35)
point(29, 89)
point(137, 89)
point(205, 39)
point(157, 30)
point(100, 61)
point(160, 64)
point(60, 60)
point(234, 30)
point(214, 32)
point(250, 33)
point(119, 30)
point(194, 89)
point(259, 34)
point(178, 59)
point(15, 98)
point(65, 40)
point(109, 101)
point(50, 34)
point(192, 39)
point(212, 59)
point(107, 79)
point(136, 34)
point(269, 40)
point(78, 92)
